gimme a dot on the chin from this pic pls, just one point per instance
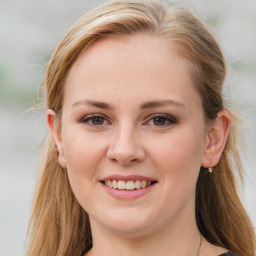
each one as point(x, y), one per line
point(130, 230)
point(127, 222)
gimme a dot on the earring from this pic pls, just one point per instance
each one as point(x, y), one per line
point(210, 170)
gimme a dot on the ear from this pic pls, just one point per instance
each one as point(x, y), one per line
point(216, 138)
point(51, 121)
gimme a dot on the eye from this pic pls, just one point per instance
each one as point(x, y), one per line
point(95, 120)
point(161, 120)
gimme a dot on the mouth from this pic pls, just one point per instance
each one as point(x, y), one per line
point(128, 185)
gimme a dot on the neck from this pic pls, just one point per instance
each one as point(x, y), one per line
point(177, 239)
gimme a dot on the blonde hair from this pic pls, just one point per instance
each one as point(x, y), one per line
point(58, 225)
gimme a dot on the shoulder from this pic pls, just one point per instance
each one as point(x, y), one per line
point(213, 250)
point(229, 254)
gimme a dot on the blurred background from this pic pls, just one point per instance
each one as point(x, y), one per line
point(30, 30)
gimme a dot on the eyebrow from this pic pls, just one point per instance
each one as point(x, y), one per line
point(157, 104)
point(93, 103)
point(146, 105)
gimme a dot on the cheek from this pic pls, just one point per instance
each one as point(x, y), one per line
point(178, 157)
point(83, 153)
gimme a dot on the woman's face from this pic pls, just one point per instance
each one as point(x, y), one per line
point(132, 118)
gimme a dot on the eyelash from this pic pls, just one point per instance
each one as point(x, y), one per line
point(171, 120)
point(88, 118)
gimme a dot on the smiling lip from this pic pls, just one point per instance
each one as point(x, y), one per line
point(127, 194)
point(127, 178)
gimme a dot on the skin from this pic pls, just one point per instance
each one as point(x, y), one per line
point(127, 140)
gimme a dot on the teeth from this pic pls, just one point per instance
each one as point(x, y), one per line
point(114, 184)
point(110, 183)
point(129, 185)
point(121, 184)
point(137, 184)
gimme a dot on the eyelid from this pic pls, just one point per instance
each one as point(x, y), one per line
point(172, 120)
point(87, 118)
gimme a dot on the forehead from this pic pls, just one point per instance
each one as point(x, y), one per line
point(139, 66)
point(108, 52)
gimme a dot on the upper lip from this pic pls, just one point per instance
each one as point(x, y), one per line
point(127, 178)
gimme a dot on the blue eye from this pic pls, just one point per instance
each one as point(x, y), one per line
point(95, 120)
point(162, 120)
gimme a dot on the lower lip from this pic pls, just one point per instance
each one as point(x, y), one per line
point(127, 194)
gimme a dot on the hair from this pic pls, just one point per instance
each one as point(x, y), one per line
point(58, 224)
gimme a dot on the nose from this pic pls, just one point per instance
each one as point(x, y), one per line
point(126, 148)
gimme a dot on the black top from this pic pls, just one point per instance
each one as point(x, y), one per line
point(229, 254)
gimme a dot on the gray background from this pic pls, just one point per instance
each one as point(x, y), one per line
point(29, 31)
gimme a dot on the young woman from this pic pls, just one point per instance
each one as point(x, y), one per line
point(141, 154)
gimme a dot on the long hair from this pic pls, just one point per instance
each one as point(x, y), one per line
point(58, 224)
